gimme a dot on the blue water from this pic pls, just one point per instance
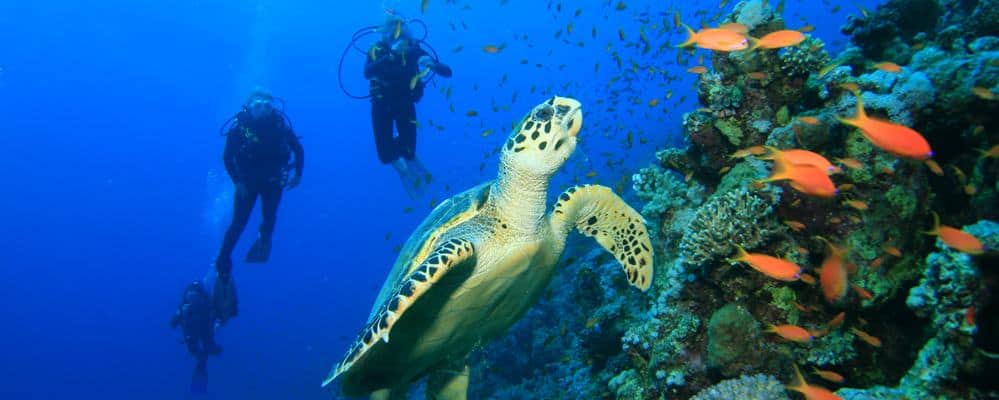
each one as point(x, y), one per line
point(115, 196)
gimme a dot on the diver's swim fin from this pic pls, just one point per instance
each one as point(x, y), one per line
point(225, 303)
point(260, 252)
point(199, 379)
point(409, 184)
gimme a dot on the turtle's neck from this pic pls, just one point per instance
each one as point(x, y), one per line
point(520, 198)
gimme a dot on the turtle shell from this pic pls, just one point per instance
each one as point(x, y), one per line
point(448, 214)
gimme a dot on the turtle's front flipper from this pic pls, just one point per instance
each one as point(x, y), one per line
point(407, 291)
point(597, 212)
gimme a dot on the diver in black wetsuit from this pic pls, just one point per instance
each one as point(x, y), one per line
point(395, 66)
point(259, 146)
point(194, 316)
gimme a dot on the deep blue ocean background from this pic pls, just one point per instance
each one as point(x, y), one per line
point(115, 196)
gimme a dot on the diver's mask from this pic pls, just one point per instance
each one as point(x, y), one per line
point(260, 108)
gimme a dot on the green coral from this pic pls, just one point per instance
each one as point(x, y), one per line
point(783, 116)
point(730, 129)
point(732, 334)
point(805, 58)
point(833, 349)
point(783, 298)
point(626, 386)
point(903, 202)
point(741, 174)
point(756, 387)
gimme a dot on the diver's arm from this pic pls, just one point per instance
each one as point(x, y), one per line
point(298, 150)
point(429, 62)
point(376, 66)
point(229, 154)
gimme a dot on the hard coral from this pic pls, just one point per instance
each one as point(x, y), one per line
point(746, 387)
point(738, 217)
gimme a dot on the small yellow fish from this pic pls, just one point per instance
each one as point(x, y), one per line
point(825, 70)
point(416, 78)
point(983, 93)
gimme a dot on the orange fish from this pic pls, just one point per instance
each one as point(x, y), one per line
point(834, 276)
point(806, 29)
point(845, 187)
point(853, 87)
point(773, 267)
point(856, 204)
point(777, 40)
point(491, 49)
point(809, 120)
point(970, 189)
point(894, 251)
point(828, 375)
point(897, 139)
point(715, 39)
point(934, 167)
point(794, 225)
point(866, 337)
point(888, 67)
point(810, 392)
point(807, 278)
point(850, 163)
point(806, 179)
point(700, 69)
point(757, 75)
point(969, 317)
point(800, 157)
point(955, 238)
point(802, 308)
point(863, 293)
point(791, 332)
point(735, 27)
point(837, 320)
point(875, 263)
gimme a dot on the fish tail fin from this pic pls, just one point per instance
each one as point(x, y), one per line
point(774, 153)
point(754, 43)
point(936, 225)
point(691, 36)
point(799, 380)
point(740, 254)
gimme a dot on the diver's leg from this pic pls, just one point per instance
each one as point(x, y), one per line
point(405, 121)
point(381, 123)
point(243, 202)
point(270, 198)
point(449, 383)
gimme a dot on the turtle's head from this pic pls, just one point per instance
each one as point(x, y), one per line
point(545, 138)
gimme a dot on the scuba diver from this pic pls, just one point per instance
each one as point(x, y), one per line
point(260, 150)
point(194, 316)
point(396, 67)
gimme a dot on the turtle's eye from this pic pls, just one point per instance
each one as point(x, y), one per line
point(543, 113)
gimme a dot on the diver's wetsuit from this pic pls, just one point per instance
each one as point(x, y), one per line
point(194, 316)
point(392, 100)
point(256, 157)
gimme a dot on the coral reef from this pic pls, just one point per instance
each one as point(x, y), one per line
point(748, 387)
point(903, 328)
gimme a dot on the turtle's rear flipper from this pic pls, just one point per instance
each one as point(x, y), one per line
point(449, 383)
point(597, 212)
point(406, 292)
point(260, 252)
point(199, 379)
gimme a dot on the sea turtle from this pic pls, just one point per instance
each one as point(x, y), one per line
point(482, 258)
